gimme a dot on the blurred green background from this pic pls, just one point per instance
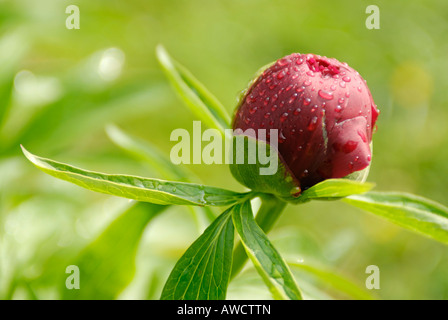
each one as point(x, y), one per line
point(60, 88)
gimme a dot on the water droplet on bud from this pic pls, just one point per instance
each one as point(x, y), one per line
point(250, 99)
point(295, 192)
point(283, 117)
point(252, 110)
point(313, 124)
point(282, 62)
point(325, 94)
point(363, 136)
point(293, 98)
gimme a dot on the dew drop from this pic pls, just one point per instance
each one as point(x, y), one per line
point(369, 157)
point(274, 107)
point(267, 115)
point(289, 87)
point(295, 192)
point(333, 87)
point(342, 84)
point(341, 100)
point(346, 79)
point(282, 62)
point(306, 83)
point(306, 102)
point(349, 146)
point(338, 109)
point(284, 117)
point(363, 136)
point(252, 110)
point(293, 98)
point(250, 99)
point(280, 75)
point(313, 124)
point(325, 94)
point(297, 111)
point(299, 90)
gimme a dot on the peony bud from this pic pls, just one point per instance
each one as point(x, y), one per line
point(323, 111)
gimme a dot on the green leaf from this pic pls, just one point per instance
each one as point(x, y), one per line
point(158, 161)
point(203, 104)
point(270, 210)
point(334, 189)
point(137, 188)
point(107, 265)
point(338, 282)
point(246, 167)
point(266, 259)
point(406, 210)
point(203, 272)
point(150, 154)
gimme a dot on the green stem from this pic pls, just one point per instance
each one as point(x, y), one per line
point(270, 210)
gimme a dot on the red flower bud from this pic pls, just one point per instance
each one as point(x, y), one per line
point(324, 113)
